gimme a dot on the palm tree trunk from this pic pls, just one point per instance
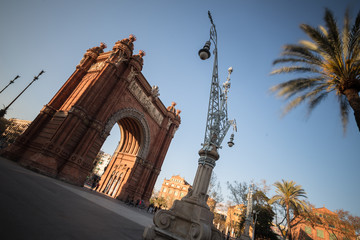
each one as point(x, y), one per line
point(353, 98)
point(288, 221)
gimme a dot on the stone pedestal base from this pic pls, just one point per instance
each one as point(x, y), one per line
point(245, 237)
point(187, 219)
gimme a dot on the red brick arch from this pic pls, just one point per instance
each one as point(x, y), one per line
point(107, 88)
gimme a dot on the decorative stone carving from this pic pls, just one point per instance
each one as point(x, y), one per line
point(97, 66)
point(137, 60)
point(146, 102)
point(169, 124)
point(155, 91)
point(126, 45)
point(120, 60)
point(131, 75)
point(163, 219)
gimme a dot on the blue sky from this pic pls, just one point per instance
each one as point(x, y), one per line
point(54, 35)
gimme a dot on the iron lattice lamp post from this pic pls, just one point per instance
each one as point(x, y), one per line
point(217, 123)
point(191, 218)
point(3, 111)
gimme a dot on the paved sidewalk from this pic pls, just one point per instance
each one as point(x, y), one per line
point(33, 206)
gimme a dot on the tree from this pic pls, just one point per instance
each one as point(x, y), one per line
point(265, 214)
point(288, 196)
point(351, 224)
point(331, 62)
point(158, 201)
point(339, 224)
point(214, 192)
point(238, 192)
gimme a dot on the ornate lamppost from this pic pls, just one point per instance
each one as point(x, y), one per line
point(249, 212)
point(3, 111)
point(191, 218)
point(256, 213)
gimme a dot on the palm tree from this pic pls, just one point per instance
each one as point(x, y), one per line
point(331, 61)
point(287, 195)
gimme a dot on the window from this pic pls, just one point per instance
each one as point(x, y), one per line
point(170, 191)
point(181, 194)
point(320, 233)
point(332, 226)
point(164, 190)
point(308, 230)
point(176, 193)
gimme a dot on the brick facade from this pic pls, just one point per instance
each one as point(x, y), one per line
point(173, 189)
point(326, 227)
point(106, 89)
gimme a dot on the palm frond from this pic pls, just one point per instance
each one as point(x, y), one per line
point(294, 69)
point(325, 47)
point(345, 34)
point(290, 88)
point(291, 60)
point(330, 59)
point(292, 50)
point(324, 31)
point(354, 38)
point(314, 102)
point(333, 31)
point(294, 103)
point(309, 45)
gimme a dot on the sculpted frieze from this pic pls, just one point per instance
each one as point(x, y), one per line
point(97, 66)
point(146, 102)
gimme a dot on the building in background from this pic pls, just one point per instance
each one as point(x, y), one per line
point(220, 213)
point(100, 163)
point(173, 189)
point(233, 218)
point(14, 128)
point(325, 225)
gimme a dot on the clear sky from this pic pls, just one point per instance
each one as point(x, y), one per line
point(54, 35)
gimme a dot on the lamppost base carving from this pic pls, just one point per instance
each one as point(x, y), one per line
point(189, 219)
point(245, 237)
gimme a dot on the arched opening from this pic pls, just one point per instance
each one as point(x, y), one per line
point(103, 157)
point(123, 158)
point(131, 141)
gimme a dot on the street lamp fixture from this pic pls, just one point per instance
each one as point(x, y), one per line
point(3, 111)
point(217, 123)
point(231, 142)
point(11, 82)
point(204, 53)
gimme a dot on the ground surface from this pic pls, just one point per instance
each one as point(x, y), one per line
point(34, 206)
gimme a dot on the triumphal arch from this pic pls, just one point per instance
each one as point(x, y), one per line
point(106, 89)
